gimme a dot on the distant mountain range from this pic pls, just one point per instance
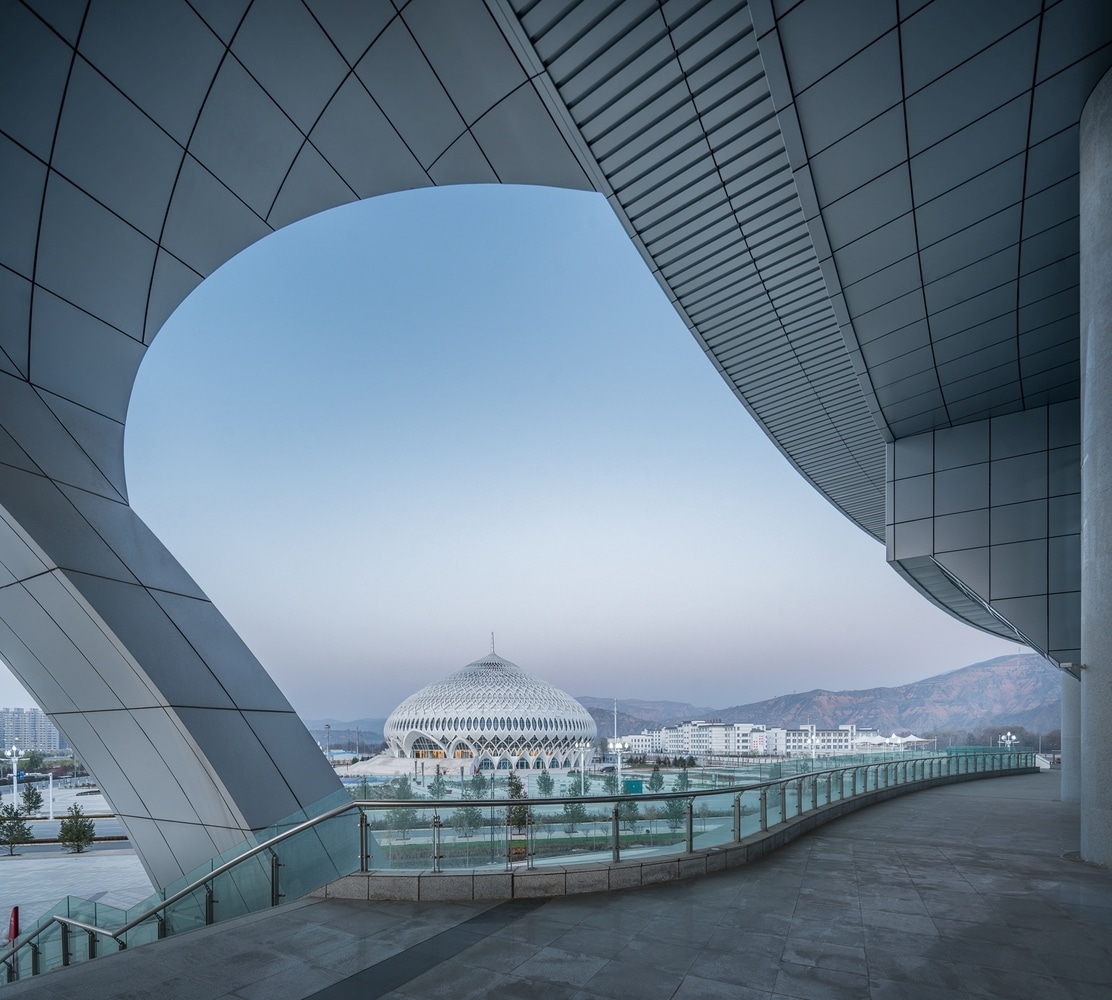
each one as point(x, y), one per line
point(1021, 690)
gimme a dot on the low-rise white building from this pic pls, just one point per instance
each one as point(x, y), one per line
point(702, 738)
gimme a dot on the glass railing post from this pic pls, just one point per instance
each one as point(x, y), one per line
point(530, 841)
point(160, 933)
point(737, 817)
point(689, 815)
point(784, 801)
point(209, 905)
point(364, 857)
point(275, 890)
point(764, 809)
point(91, 935)
point(34, 958)
point(65, 944)
point(617, 853)
point(436, 842)
point(9, 973)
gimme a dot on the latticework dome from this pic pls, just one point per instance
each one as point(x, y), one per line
point(494, 714)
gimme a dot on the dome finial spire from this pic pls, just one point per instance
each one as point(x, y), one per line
point(491, 643)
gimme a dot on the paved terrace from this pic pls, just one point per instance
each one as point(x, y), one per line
point(960, 891)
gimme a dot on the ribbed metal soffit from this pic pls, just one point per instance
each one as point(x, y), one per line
point(673, 103)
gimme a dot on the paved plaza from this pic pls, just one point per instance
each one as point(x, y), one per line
point(959, 891)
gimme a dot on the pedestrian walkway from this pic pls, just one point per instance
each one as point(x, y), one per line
point(959, 891)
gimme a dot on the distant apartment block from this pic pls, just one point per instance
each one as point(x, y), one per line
point(29, 729)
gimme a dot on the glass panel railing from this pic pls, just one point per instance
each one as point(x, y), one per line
point(712, 819)
point(185, 914)
point(49, 945)
point(751, 812)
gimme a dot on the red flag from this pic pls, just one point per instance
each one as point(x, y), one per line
point(13, 924)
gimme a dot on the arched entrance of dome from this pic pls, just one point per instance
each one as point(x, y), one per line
point(426, 747)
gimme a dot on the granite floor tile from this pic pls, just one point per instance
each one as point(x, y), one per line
point(902, 967)
point(449, 981)
point(842, 958)
point(846, 935)
point(811, 982)
point(498, 954)
point(618, 978)
point(515, 988)
point(557, 966)
point(698, 988)
point(902, 990)
point(604, 942)
point(738, 967)
point(1008, 983)
point(653, 954)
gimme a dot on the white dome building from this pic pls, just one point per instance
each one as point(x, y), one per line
point(495, 715)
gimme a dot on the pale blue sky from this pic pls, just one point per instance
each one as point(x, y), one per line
point(384, 432)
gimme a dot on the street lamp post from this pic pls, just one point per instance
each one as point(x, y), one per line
point(13, 756)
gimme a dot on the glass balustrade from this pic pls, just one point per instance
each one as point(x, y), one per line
point(339, 836)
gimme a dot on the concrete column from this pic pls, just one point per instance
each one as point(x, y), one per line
point(1071, 738)
point(1096, 474)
